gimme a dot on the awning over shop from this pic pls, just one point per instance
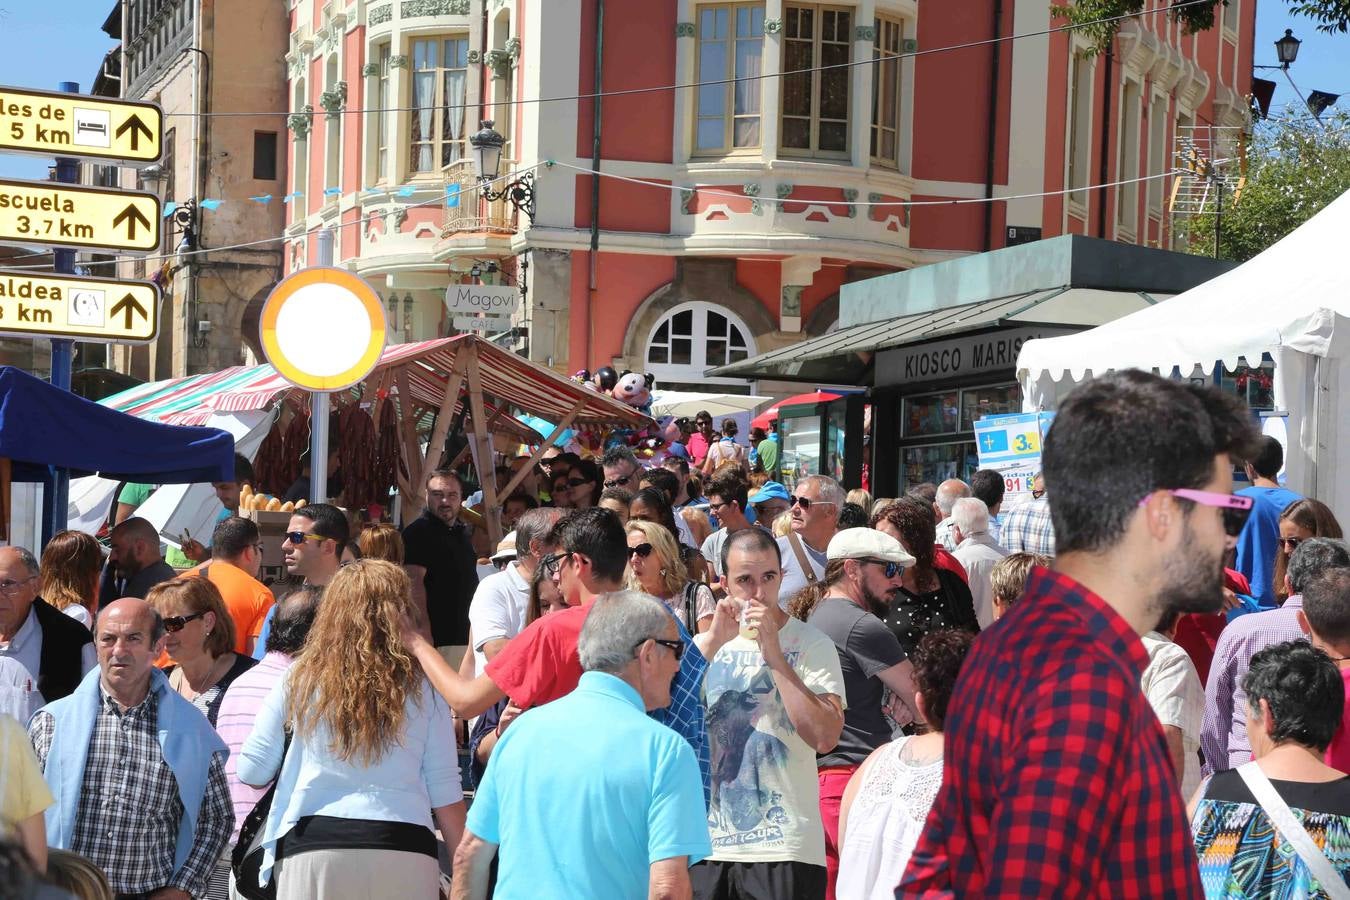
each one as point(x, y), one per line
point(846, 356)
point(43, 426)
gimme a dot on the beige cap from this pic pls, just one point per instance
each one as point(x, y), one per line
point(868, 543)
point(506, 548)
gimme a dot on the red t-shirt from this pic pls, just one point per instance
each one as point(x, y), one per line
point(540, 664)
point(1338, 751)
point(1198, 633)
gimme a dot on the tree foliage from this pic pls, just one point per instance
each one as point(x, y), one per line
point(1099, 20)
point(1295, 168)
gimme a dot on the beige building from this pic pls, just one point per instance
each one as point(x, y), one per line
point(216, 68)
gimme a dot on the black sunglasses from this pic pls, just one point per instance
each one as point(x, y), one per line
point(642, 550)
point(804, 502)
point(578, 482)
point(178, 623)
point(890, 569)
point(676, 647)
point(619, 482)
point(299, 537)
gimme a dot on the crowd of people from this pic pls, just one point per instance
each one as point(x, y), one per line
point(689, 680)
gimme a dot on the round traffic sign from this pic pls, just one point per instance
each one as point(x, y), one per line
point(323, 329)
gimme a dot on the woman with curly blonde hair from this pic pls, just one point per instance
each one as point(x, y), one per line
point(654, 568)
point(367, 756)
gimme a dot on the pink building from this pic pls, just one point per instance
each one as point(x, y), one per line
point(752, 228)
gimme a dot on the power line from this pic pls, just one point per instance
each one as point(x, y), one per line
point(868, 61)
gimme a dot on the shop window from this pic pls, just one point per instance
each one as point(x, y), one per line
point(886, 92)
point(1080, 128)
point(730, 48)
point(1255, 385)
point(1002, 400)
point(815, 116)
point(935, 463)
point(439, 79)
point(693, 338)
point(932, 414)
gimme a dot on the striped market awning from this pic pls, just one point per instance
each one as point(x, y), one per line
point(507, 379)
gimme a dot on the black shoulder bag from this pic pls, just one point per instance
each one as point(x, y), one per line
point(246, 858)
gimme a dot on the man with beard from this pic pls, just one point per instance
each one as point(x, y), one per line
point(440, 560)
point(1057, 780)
point(134, 563)
point(862, 575)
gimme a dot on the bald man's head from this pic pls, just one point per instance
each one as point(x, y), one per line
point(135, 545)
point(128, 636)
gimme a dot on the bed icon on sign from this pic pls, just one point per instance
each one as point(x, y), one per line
point(87, 308)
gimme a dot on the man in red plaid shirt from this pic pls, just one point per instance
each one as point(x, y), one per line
point(1057, 781)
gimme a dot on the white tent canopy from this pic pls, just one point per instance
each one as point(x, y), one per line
point(1292, 301)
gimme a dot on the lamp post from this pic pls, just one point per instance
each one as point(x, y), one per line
point(487, 146)
point(1286, 49)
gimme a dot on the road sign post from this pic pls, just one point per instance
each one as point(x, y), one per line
point(68, 215)
point(100, 310)
point(46, 123)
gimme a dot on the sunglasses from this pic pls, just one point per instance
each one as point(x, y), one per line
point(641, 550)
point(1235, 509)
point(890, 569)
point(805, 503)
point(299, 537)
point(578, 482)
point(619, 482)
point(178, 623)
point(1288, 544)
point(676, 647)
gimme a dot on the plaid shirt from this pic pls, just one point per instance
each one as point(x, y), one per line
point(1223, 736)
point(1056, 780)
point(685, 714)
point(127, 823)
point(1027, 528)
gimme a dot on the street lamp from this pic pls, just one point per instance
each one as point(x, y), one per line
point(1286, 49)
point(487, 146)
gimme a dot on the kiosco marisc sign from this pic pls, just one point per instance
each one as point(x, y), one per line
point(958, 357)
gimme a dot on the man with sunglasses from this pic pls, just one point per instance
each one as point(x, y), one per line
point(621, 468)
point(815, 505)
point(1259, 541)
point(728, 496)
point(862, 576)
point(1051, 747)
point(774, 702)
point(312, 546)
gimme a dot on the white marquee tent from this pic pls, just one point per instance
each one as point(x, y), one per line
point(1291, 301)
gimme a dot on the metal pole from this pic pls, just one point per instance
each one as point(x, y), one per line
point(319, 405)
point(55, 501)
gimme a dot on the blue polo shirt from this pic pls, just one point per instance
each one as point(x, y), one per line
point(1258, 544)
point(583, 794)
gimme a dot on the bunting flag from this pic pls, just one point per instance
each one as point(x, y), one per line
point(265, 198)
point(332, 192)
point(169, 208)
point(211, 204)
point(452, 195)
point(405, 191)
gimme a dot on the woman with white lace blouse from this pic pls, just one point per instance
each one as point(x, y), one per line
point(888, 798)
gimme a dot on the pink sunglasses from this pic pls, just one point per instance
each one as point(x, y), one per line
point(1235, 508)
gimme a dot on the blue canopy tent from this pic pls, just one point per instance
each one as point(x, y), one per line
point(43, 428)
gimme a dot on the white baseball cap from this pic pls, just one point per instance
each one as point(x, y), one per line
point(868, 543)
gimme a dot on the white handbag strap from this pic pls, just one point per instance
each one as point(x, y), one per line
point(1288, 824)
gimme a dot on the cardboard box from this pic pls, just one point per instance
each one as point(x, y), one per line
point(272, 529)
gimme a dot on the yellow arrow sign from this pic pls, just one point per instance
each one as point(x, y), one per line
point(87, 309)
point(37, 212)
point(53, 124)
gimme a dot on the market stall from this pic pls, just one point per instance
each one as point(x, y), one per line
point(1276, 329)
point(43, 427)
point(393, 429)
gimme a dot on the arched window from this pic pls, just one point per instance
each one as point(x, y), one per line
point(695, 337)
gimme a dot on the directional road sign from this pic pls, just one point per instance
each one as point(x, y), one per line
point(64, 215)
point(53, 124)
point(103, 310)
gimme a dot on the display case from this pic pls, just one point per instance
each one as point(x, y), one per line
point(822, 439)
point(937, 431)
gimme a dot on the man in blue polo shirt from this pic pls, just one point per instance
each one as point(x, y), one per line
point(616, 809)
point(1259, 541)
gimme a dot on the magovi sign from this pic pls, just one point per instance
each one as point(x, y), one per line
point(490, 299)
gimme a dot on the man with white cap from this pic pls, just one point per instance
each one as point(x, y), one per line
point(497, 612)
point(862, 576)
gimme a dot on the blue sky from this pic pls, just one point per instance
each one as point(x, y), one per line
point(40, 47)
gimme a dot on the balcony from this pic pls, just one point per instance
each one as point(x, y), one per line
point(474, 215)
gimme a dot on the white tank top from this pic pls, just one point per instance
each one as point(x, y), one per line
point(884, 823)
